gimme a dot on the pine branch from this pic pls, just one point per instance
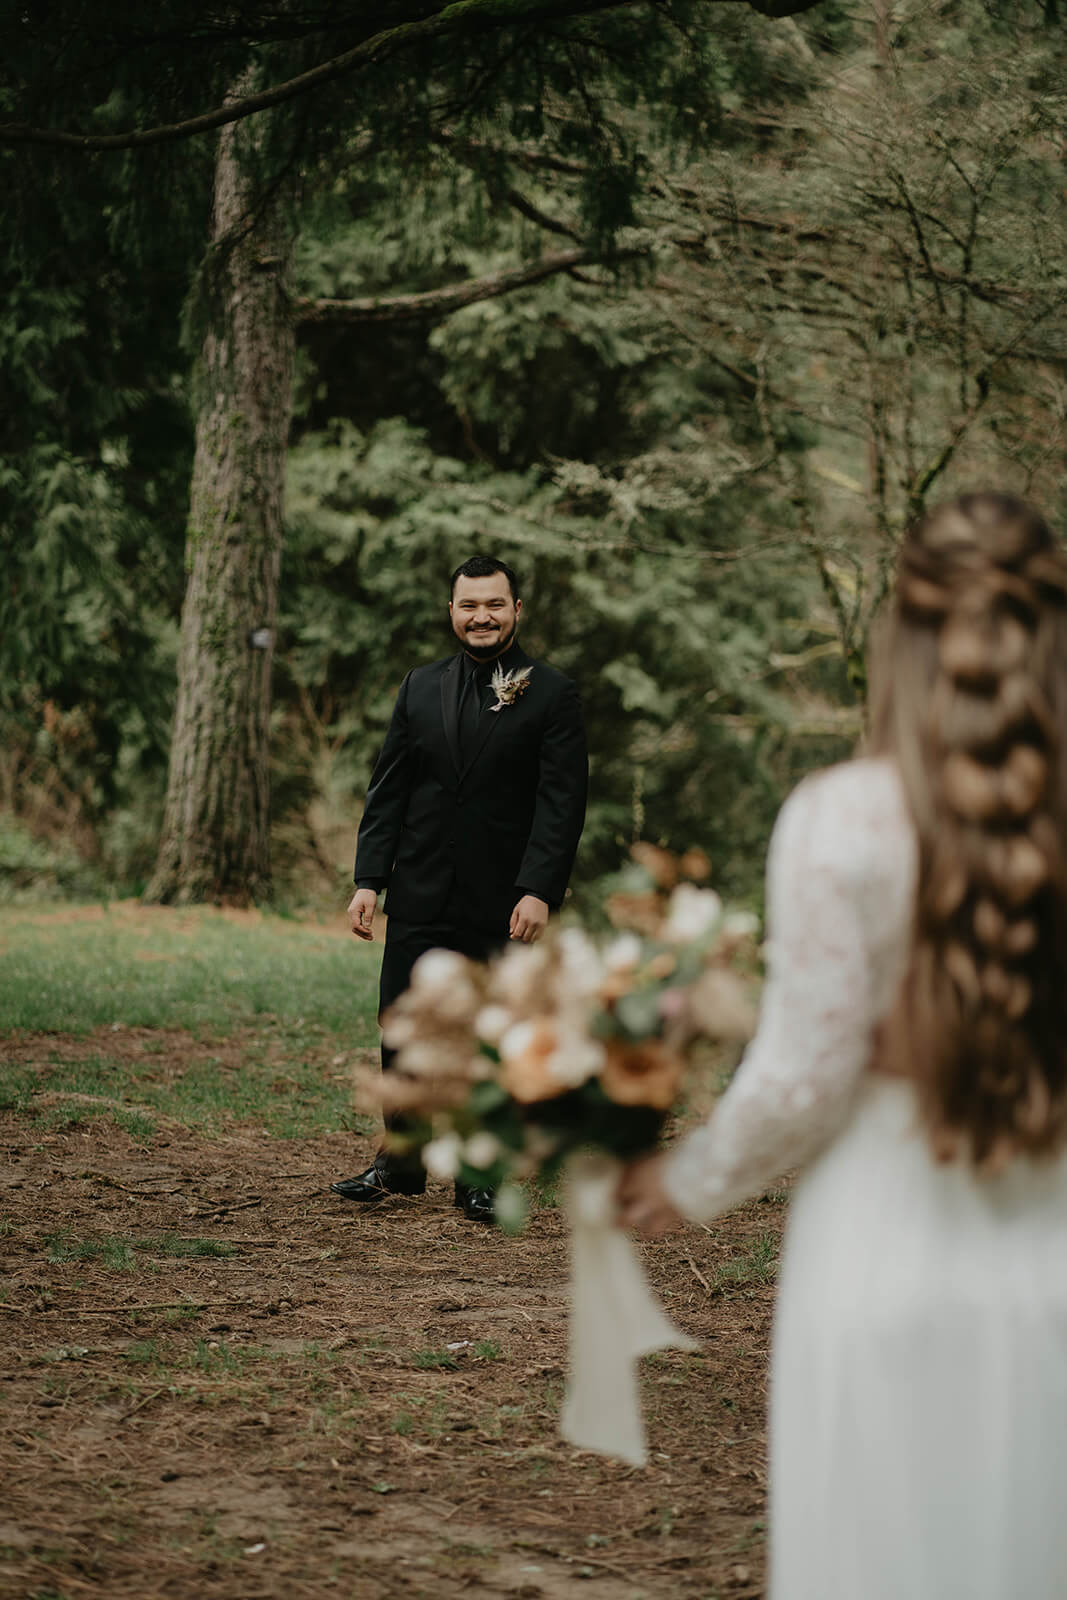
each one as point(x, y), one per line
point(460, 19)
point(436, 303)
point(466, 154)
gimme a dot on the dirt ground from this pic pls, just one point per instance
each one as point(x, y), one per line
point(352, 1402)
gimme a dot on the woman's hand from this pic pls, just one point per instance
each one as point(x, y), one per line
point(642, 1200)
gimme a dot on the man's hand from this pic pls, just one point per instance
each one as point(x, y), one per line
point(642, 1199)
point(361, 909)
point(529, 919)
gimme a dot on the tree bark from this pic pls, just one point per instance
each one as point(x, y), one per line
point(215, 843)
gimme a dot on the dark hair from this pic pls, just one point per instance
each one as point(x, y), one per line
point(484, 567)
point(971, 703)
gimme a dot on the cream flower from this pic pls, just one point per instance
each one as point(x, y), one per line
point(441, 1157)
point(575, 1059)
point(517, 1040)
point(424, 1058)
point(481, 1149)
point(398, 1029)
point(581, 968)
point(691, 914)
point(623, 954)
point(492, 1022)
point(519, 974)
point(526, 1051)
point(437, 970)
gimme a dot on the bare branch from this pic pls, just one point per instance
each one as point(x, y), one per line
point(437, 303)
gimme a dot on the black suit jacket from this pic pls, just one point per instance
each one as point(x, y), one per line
point(437, 832)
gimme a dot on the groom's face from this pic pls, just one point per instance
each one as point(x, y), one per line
point(484, 615)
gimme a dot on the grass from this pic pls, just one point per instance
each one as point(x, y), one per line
point(114, 1253)
point(758, 1266)
point(172, 1244)
point(431, 1360)
point(276, 1006)
point(196, 969)
point(121, 1254)
point(289, 1097)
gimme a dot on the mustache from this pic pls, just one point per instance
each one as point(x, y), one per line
point(491, 648)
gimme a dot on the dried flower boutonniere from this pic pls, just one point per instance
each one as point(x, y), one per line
point(507, 686)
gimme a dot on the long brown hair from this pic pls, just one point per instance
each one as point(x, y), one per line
point(970, 701)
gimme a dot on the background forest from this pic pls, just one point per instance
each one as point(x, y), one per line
point(682, 310)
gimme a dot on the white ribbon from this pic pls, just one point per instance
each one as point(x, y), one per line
point(614, 1319)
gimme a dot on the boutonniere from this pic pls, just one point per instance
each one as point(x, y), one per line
point(507, 686)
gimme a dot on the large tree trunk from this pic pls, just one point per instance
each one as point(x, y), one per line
point(216, 832)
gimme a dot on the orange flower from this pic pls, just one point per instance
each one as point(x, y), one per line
point(695, 866)
point(645, 1074)
point(641, 911)
point(660, 865)
point(527, 1050)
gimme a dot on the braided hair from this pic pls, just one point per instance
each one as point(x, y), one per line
point(971, 706)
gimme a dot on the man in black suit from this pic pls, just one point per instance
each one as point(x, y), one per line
point(473, 815)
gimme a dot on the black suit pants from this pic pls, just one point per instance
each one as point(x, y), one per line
point(404, 944)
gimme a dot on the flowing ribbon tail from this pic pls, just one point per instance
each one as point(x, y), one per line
point(614, 1320)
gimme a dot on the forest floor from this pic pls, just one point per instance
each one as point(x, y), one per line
point(219, 1380)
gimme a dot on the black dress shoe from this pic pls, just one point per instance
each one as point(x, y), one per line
point(476, 1204)
point(381, 1178)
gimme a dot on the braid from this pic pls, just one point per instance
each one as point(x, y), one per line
point(982, 601)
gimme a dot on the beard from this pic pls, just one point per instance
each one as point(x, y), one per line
point(488, 652)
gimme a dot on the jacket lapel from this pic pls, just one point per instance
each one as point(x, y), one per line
point(450, 686)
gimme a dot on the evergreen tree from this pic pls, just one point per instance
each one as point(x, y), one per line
point(322, 91)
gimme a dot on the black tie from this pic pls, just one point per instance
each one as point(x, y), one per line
point(470, 709)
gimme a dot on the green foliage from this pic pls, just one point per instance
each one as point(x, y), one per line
point(668, 649)
point(698, 461)
point(33, 869)
point(93, 465)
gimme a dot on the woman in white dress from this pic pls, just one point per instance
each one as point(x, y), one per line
point(912, 1056)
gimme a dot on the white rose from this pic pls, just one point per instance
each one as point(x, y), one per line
point(623, 953)
point(692, 913)
point(741, 924)
point(481, 1149)
point(436, 971)
point(517, 1040)
point(492, 1022)
point(518, 972)
point(581, 966)
point(575, 1059)
point(424, 1057)
point(398, 1030)
point(457, 1002)
point(441, 1157)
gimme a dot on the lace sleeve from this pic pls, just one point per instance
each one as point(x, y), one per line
point(796, 1084)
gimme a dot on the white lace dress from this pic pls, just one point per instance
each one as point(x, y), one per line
point(919, 1381)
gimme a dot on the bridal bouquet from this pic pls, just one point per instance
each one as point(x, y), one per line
point(573, 1051)
point(570, 1043)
